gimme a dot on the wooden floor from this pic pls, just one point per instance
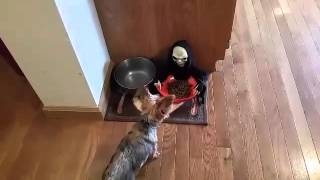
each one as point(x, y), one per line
point(265, 123)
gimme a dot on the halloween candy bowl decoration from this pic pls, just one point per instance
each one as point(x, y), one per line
point(184, 90)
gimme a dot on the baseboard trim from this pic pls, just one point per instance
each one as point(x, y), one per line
point(71, 108)
point(76, 112)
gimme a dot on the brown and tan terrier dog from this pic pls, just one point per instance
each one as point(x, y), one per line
point(140, 144)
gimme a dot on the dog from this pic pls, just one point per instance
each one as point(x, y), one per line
point(140, 144)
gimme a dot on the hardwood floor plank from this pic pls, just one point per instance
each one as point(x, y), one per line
point(263, 53)
point(17, 110)
point(282, 81)
point(81, 158)
point(249, 39)
point(107, 138)
point(168, 152)
point(153, 168)
point(103, 133)
point(240, 169)
point(12, 134)
point(311, 64)
point(28, 160)
point(210, 156)
point(216, 158)
point(182, 153)
point(311, 14)
point(302, 29)
point(300, 120)
point(196, 166)
point(318, 3)
point(249, 131)
point(225, 164)
point(246, 116)
point(210, 133)
point(219, 119)
point(55, 152)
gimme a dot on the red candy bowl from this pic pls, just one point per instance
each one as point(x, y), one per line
point(163, 88)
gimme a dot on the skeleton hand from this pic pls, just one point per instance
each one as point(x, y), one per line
point(171, 78)
point(196, 88)
point(157, 85)
point(200, 89)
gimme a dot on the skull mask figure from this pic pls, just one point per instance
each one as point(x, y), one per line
point(179, 56)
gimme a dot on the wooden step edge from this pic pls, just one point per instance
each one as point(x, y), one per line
point(219, 65)
point(220, 113)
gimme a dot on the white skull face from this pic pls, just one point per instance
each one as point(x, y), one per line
point(179, 56)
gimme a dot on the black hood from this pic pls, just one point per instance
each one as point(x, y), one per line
point(186, 46)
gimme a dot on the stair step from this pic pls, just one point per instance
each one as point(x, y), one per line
point(219, 115)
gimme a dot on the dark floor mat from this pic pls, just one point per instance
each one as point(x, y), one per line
point(130, 113)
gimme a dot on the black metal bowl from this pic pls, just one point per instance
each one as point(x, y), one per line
point(134, 73)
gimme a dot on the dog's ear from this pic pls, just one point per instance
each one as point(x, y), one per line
point(164, 106)
point(146, 89)
point(144, 101)
point(139, 100)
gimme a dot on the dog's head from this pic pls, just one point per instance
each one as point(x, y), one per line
point(157, 109)
point(143, 100)
point(162, 109)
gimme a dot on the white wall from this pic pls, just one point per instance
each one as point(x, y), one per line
point(36, 36)
point(84, 30)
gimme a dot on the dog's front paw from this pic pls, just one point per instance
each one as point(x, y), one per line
point(156, 154)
